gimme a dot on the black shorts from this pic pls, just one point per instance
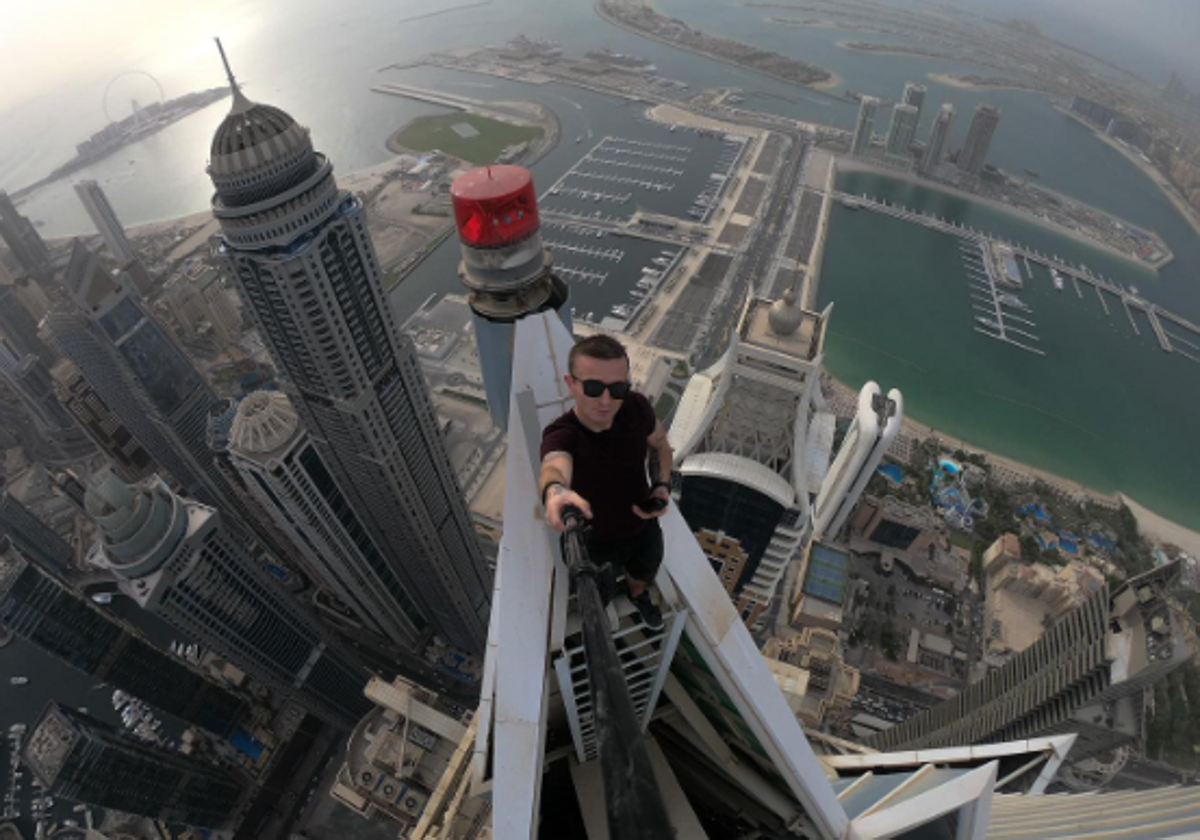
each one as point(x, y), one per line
point(639, 557)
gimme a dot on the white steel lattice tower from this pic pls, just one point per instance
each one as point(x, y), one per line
point(298, 250)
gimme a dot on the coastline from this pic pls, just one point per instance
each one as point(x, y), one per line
point(1190, 215)
point(1154, 526)
point(834, 81)
point(854, 165)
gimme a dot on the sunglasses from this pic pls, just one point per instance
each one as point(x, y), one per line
point(595, 388)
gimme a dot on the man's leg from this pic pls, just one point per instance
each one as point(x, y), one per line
point(640, 570)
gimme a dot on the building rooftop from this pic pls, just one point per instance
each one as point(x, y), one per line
point(805, 342)
point(828, 573)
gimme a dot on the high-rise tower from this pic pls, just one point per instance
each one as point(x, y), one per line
point(979, 139)
point(914, 95)
point(19, 327)
point(101, 212)
point(298, 250)
point(283, 469)
point(35, 539)
point(39, 607)
point(82, 759)
point(174, 557)
point(902, 129)
point(935, 148)
point(1085, 675)
point(125, 454)
point(864, 127)
point(31, 381)
point(25, 242)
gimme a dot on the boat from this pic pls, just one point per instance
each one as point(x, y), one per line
point(1014, 301)
point(622, 310)
point(987, 322)
point(18, 729)
point(18, 680)
point(1033, 173)
point(579, 139)
point(102, 597)
point(1057, 278)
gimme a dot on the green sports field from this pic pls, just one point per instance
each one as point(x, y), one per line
point(490, 138)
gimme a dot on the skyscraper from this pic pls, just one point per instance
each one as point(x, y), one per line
point(125, 454)
point(101, 212)
point(903, 129)
point(19, 327)
point(144, 378)
point(284, 470)
point(914, 95)
point(864, 127)
point(33, 537)
point(175, 558)
point(1085, 675)
point(25, 242)
point(751, 445)
point(31, 381)
point(84, 760)
point(40, 608)
point(979, 139)
point(935, 148)
point(298, 250)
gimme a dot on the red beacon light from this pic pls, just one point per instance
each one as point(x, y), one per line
point(494, 206)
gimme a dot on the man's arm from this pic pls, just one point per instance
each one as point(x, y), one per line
point(661, 459)
point(555, 486)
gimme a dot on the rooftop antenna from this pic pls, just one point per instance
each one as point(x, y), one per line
point(239, 101)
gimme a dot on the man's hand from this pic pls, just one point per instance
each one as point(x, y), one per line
point(557, 498)
point(659, 493)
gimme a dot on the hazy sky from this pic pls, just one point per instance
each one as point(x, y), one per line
point(49, 45)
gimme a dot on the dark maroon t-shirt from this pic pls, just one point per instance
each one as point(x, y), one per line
point(609, 467)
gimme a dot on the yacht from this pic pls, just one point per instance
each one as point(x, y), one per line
point(102, 597)
point(622, 310)
point(1057, 278)
point(987, 322)
point(18, 680)
point(1013, 301)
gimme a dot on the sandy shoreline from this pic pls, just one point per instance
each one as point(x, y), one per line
point(1189, 214)
point(865, 166)
point(1154, 526)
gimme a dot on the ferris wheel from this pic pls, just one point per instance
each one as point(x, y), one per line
point(108, 112)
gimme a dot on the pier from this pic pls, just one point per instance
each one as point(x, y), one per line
point(1129, 300)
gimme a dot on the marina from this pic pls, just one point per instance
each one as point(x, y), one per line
point(995, 311)
point(987, 245)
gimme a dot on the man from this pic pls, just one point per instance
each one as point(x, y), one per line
point(595, 458)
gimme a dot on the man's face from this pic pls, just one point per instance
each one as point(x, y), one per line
point(597, 413)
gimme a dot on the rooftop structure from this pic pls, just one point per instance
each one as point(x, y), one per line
point(830, 684)
point(820, 599)
point(892, 523)
point(297, 248)
point(397, 754)
point(81, 759)
point(752, 444)
point(125, 454)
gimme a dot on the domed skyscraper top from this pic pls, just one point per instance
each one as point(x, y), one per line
point(265, 421)
point(786, 316)
point(259, 152)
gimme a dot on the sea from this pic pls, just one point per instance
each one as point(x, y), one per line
point(1105, 406)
